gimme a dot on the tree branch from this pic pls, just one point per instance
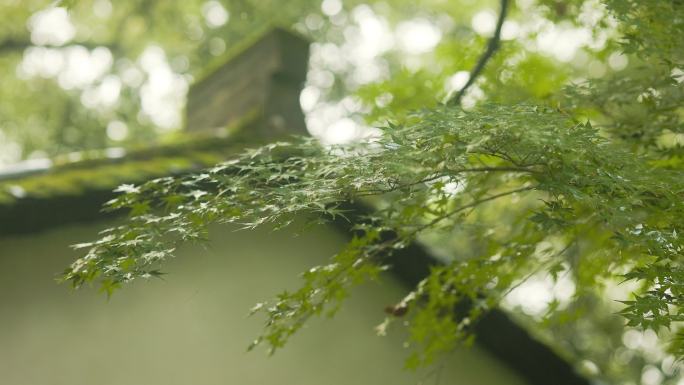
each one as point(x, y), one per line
point(11, 45)
point(18, 46)
point(492, 47)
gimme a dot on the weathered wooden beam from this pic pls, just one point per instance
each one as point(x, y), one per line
point(264, 79)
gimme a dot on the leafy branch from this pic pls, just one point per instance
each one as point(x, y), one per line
point(494, 152)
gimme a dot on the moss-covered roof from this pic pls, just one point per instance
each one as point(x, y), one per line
point(188, 152)
point(75, 191)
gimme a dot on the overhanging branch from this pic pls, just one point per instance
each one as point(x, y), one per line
point(19, 45)
point(492, 47)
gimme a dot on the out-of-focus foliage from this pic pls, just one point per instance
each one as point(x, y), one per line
point(110, 73)
point(562, 168)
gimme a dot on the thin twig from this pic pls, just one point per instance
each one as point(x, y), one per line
point(492, 47)
point(468, 206)
point(537, 270)
point(379, 191)
point(10, 46)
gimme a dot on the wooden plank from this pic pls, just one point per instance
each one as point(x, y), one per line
point(267, 77)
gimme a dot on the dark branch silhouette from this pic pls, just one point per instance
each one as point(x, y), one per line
point(492, 47)
point(19, 45)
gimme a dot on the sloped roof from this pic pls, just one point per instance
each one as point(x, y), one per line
point(252, 98)
point(69, 192)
